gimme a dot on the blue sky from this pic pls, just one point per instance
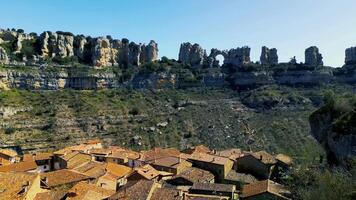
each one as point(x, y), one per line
point(288, 25)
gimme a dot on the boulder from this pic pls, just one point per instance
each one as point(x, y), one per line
point(350, 54)
point(269, 56)
point(313, 57)
point(4, 59)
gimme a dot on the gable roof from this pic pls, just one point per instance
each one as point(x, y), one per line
point(241, 177)
point(261, 187)
point(53, 194)
point(170, 161)
point(214, 187)
point(134, 190)
point(76, 159)
point(19, 167)
point(195, 175)
point(118, 170)
point(62, 177)
point(208, 158)
point(37, 156)
point(230, 153)
point(82, 190)
point(147, 171)
point(165, 194)
point(8, 152)
point(265, 157)
point(12, 183)
point(157, 153)
point(93, 169)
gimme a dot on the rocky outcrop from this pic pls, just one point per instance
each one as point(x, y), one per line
point(102, 54)
point(3, 56)
point(192, 54)
point(350, 56)
point(336, 131)
point(238, 57)
point(150, 52)
point(53, 44)
point(79, 47)
point(269, 56)
point(313, 57)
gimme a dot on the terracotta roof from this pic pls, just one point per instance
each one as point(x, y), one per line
point(93, 141)
point(37, 156)
point(76, 159)
point(8, 152)
point(147, 172)
point(82, 190)
point(157, 153)
point(230, 153)
point(118, 170)
point(265, 157)
point(262, 187)
point(203, 197)
point(245, 178)
point(213, 187)
point(203, 157)
point(197, 149)
point(195, 175)
point(165, 194)
point(53, 194)
point(134, 190)
point(19, 167)
point(62, 177)
point(285, 159)
point(100, 151)
point(167, 162)
point(92, 169)
point(12, 183)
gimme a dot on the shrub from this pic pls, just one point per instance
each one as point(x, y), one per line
point(135, 111)
point(9, 130)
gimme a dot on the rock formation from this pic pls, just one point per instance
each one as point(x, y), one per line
point(313, 57)
point(192, 54)
point(100, 52)
point(239, 56)
point(3, 56)
point(269, 56)
point(350, 54)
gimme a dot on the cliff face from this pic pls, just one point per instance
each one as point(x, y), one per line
point(334, 127)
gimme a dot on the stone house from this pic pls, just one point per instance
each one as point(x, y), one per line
point(262, 190)
point(115, 176)
point(19, 185)
point(260, 164)
point(62, 177)
point(214, 189)
point(190, 176)
point(8, 156)
point(219, 166)
point(170, 164)
point(44, 161)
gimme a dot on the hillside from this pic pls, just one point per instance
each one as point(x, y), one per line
point(263, 118)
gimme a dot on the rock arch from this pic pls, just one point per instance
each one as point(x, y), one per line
point(212, 59)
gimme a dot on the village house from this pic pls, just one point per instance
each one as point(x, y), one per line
point(190, 176)
point(19, 185)
point(214, 189)
point(85, 191)
point(197, 149)
point(93, 169)
point(123, 156)
point(8, 156)
point(166, 193)
point(219, 166)
point(62, 177)
point(71, 160)
point(170, 164)
point(29, 166)
point(147, 172)
point(44, 161)
point(238, 179)
point(266, 189)
point(259, 164)
point(141, 189)
point(115, 176)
